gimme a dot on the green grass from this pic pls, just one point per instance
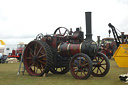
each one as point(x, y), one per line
point(8, 76)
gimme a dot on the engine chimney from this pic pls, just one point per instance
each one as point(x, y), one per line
point(88, 25)
point(98, 40)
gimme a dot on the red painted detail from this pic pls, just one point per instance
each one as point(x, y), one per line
point(43, 39)
point(98, 63)
point(74, 49)
point(64, 50)
point(13, 56)
point(68, 50)
point(54, 43)
point(103, 51)
point(19, 50)
point(13, 52)
point(75, 36)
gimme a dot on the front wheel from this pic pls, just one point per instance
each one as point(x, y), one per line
point(101, 65)
point(81, 66)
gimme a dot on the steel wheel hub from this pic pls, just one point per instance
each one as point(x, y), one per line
point(35, 58)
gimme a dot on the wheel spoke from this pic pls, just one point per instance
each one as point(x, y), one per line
point(97, 70)
point(31, 65)
point(42, 62)
point(41, 67)
point(65, 32)
point(31, 51)
point(37, 68)
point(42, 56)
point(103, 64)
point(84, 65)
point(96, 58)
point(59, 31)
point(103, 67)
point(39, 51)
point(35, 49)
point(94, 68)
point(102, 61)
point(41, 70)
point(83, 72)
point(34, 68)
point(100, 70)
point(80, 61)
point(77, 72)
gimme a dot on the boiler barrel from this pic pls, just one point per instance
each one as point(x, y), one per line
point(70, 49)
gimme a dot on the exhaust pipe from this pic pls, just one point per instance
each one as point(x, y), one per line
point(98, 39)
point(88, 25)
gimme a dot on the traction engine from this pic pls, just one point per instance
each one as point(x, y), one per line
point(66, 50)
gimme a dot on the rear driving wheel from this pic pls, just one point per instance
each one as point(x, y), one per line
point(101, 65)
point(81, 66)
point(37, 58)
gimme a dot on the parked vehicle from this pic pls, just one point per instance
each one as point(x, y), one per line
point(18, 52)
point(108, 46)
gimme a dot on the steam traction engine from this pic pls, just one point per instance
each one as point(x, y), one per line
point(66, 50)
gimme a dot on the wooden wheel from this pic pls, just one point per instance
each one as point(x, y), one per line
point(37, 58)
point(101, 65)
point(81, 66)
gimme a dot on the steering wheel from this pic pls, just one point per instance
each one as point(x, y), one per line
point(61, 31)
point(39, 36)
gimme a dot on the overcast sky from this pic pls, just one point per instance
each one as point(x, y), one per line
point(22, 20)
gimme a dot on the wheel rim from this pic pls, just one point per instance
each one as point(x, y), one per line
point(101, 65)
point(35, 58)
point(81, 67)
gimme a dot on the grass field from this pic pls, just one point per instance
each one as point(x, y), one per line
point(8, 76)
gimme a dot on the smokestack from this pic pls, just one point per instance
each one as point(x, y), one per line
point(88, 25)
point(98, 40)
